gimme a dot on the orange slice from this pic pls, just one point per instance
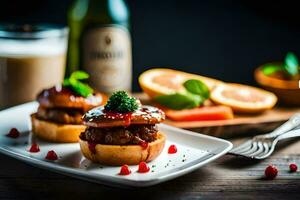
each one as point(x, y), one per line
point(162, 81)
point(242, 98)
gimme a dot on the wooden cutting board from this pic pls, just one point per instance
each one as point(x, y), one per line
point(240, 125)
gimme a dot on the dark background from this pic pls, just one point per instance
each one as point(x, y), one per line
point(221, 39)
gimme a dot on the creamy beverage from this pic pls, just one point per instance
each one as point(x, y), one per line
point(30, 62)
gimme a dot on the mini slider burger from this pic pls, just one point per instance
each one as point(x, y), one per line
point(122, 132)
point(61, 107)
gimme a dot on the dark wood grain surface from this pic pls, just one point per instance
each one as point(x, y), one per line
point(226, 178)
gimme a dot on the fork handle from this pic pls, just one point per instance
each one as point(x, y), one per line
point(290, 134)
point(292, 123)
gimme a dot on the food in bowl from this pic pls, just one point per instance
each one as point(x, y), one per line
point(281, 78)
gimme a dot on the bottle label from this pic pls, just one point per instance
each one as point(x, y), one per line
point(107, 58)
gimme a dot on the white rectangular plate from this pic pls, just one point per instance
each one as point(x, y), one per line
point(194, 151)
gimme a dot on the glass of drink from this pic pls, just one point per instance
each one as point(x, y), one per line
point(31, 58)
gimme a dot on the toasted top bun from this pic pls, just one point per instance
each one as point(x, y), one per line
point(54, 132)
point(123, 154)
point(97, 117)
point(62, 97)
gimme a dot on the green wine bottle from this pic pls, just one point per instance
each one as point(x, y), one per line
point(100, 43)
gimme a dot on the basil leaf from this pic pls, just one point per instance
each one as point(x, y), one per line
point(197, 87)
point(80, 88)
point(66, 82)
point(79, 75)
point(270, 69)
point(179, 101)
point(74, 83)
point(291, 64)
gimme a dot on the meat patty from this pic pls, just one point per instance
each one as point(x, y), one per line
point(134, 134)
point(60, 115)
point(62, 97)
point(98, 117)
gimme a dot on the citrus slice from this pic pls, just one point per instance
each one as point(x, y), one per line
point(243, 98)
point(162, 81)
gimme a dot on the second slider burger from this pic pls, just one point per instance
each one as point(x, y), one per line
point(58, 118)
point(122, 132)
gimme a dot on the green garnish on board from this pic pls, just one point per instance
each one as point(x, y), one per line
point(290, 66)
point(194, 95)
point(270, 69)
point(121, 102)
point(74, 82)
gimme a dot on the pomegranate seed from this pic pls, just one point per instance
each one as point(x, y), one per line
point(143, 167)
point(51, 155)
point(13, 133)
point(92, 147)
point(144, 144)
point(293, 167)
point(124, 170)
point(34, 148)
point(271, 172)
point(172, 149)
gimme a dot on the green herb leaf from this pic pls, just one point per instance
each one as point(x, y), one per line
point(195, 94)
point(291, 64)
point(179, 101)
point(270, 69)
point(121, 102)
point(81, 88)
point(80, 75)
point(74, 83)
point(197, 87)
point(66, 82)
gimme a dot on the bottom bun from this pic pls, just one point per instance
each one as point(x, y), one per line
point(123, 154)
point(54, 132)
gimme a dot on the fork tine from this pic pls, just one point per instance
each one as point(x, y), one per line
point(264, 155)
point(266, 149)
point(245, 149)
point(239, 147)
point(267, 152)
point(260, 149)
point(251, 150)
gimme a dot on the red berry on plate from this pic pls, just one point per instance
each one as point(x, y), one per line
point(124, 170)
point(172, 149)
point(13, 133)
point(143, 167)
point(293, 167)
point(51, 155)
point(34, 148)
point(271, 172)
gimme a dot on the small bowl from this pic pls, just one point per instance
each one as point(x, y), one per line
point(287, 91)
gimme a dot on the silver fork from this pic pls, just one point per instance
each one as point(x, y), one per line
point(262, 146)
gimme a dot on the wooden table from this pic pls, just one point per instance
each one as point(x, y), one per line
point(226, 178)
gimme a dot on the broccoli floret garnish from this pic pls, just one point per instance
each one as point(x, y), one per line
point(121, 102)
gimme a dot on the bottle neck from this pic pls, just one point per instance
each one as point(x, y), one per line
point(115, 10)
